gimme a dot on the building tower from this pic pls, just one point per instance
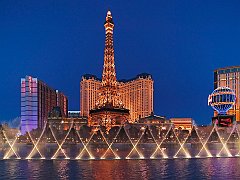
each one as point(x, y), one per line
point(37, 100)
point(109, 110)
point(109, 92)
point(229, 77)
point(135, 94)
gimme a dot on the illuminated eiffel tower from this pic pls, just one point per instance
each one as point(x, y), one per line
point(109, 110)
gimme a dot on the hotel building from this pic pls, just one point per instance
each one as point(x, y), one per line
point(37, 100)
point(135, 95)
point(229, 77)
point(89, 87)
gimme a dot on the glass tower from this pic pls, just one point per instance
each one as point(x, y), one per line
point(37, 100)
point(29, 104)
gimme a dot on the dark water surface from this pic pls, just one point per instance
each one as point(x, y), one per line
point(208, 168)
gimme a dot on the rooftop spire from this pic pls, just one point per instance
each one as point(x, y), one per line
point(109, 25)
point(109, 16)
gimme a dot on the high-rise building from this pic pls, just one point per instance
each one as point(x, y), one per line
point(89, 87)
point(135, 94)
point(37, 100)
point(62, 102)
point(229, 77)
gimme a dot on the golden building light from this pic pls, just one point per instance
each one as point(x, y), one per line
point(135, 95)
point(229, 77)
point(109, 110)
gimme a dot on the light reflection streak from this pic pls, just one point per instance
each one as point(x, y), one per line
point(224, 146)
point(7, 156)
point(203, 146)
point(35, 144)
point(238, 140)
point(85, 147)
point(109, 146)
point(205, 143)
point(234, 128)
point(60, 145)
point(187, 155)
point(134, 146)
point(158, 145)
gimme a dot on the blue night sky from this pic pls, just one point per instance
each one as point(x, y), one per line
point(179, 42)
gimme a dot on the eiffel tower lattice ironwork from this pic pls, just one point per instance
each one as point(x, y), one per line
point(109, 92)
point(109, 108)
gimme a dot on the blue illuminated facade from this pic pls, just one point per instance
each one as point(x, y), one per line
point(37, 100)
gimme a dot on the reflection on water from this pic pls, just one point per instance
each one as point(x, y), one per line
point(210, 168)
point(62, 169)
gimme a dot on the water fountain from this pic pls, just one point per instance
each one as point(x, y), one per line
point(128, 141)
point(136, 141)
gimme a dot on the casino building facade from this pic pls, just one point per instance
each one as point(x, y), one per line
point(229, 77)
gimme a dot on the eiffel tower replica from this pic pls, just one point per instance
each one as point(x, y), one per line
point(109, 110)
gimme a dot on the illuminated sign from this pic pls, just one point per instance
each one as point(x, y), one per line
point(223, 121)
